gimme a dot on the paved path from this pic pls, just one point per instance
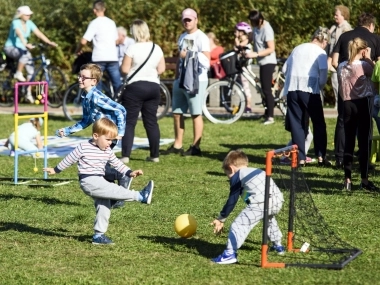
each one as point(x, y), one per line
point(30, 109)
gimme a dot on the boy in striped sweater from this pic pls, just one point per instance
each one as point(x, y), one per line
point(92, 157)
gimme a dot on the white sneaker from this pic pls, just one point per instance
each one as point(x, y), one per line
point(18, 75)
point(125, 160)
point(268, 122)
point(29, 98)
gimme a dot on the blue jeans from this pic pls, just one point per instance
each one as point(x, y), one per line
point(112, 68)
point(300, 102)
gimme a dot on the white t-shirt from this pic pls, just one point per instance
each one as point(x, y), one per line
point(103, 34)
point(303, 68)
point(197, 41)
point(139, 53)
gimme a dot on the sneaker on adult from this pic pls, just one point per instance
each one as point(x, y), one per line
point(268, 121)
point(124, 160)
point(278, 248)
point(193, 151)
point(370, 187)
point(19, 76)
point(172, 149)
point(225, 258)
point(152, 159)
point(102, 240)
point(29, 98)
point(147, 193)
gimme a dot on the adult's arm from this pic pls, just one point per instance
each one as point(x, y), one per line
point(22, 39)
point(41, 36)
point(126, 65)
point(161, 66)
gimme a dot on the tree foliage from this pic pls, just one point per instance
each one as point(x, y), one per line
point(65, 21)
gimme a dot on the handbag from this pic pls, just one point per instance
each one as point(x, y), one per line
point(218, 71)
point(125, 83)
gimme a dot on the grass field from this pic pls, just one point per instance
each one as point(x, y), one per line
point(46, 232)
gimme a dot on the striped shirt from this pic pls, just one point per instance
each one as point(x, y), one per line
point(91, 160)
point(96, 105)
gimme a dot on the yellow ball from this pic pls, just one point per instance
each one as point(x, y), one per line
point(39, 97)
point(37, 154)
point(36, 102)
point(35, 169)
point(185, 225)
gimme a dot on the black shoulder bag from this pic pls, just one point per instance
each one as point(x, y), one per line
point(124, 85)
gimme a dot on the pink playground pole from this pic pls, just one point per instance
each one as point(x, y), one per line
point(44, 84)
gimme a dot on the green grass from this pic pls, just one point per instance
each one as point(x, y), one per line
point(46, 232)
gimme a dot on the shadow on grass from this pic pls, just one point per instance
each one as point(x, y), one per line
point(28, 229)
point(204, 248)
point(48, 201)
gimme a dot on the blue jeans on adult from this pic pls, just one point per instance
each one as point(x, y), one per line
point(113, 70)
point(300, 102)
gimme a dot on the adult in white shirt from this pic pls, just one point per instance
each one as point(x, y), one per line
point(305, 75)
point(103, 34)
point(195, 40)
point(142, 93)
point(123, 43)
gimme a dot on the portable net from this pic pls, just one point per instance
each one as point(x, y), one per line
point(310, 241)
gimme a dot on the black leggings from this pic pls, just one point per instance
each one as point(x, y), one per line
point(357, 120)
point(144, 97)
point(266, 78)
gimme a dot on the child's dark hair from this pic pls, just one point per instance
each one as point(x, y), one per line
point(95, 70)
point(105, 126)
point(236, 158)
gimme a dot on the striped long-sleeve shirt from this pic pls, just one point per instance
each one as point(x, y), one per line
point(92, 160)
point(96, 105)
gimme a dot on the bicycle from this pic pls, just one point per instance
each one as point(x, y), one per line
point(72, 100)
point(53, 75)
point(225, 100)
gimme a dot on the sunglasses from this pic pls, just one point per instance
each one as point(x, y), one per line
point(84, 77)
point(186, 20)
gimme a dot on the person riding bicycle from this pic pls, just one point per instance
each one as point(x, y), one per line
point(17, 46)
point(243, 36)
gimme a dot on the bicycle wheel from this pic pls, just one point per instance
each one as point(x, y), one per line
point(6, 93)
point(165, 101)
point(222, 104)
point(57, 85)
point(72, 104)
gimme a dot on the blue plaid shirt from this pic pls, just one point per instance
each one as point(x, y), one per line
point(96, 105)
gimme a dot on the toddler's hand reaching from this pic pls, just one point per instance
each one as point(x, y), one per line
point(136, 173)
point(49, 170)
point(218, 226)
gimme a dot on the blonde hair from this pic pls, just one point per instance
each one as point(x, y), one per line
point(212, 36)
point(140, 31)
point(354, 47)
point(236, 158)
point(95, 70)
point(105, 126)
point(321, 34)
point(344, 11)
